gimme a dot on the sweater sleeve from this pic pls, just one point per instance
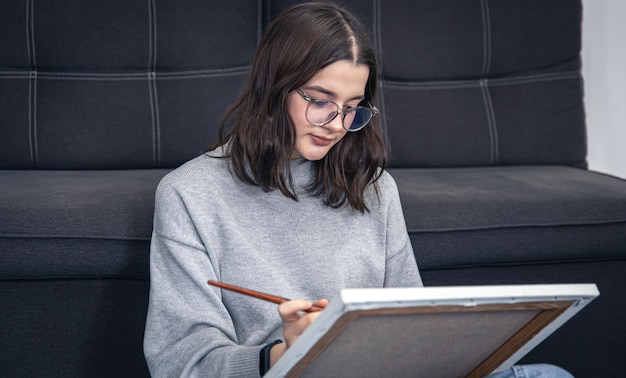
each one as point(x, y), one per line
point(189, 332)
point(400, 267)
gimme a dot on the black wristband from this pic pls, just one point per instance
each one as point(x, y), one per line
point(264, 361)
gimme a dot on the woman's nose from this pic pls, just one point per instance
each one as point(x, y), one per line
point(337, 123)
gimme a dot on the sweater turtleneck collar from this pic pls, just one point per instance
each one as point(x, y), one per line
point(302, 172)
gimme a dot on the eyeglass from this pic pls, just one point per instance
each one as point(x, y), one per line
point(322, 112)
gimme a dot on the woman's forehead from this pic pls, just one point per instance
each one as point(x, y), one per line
point(341, 79)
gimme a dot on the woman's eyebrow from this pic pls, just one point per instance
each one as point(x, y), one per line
point(330, 93)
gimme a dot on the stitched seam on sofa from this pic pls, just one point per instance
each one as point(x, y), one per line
point(486, 37)
point(535, 78)
point(378, 40)
point(9, 75)
point(30, 33)
point(152, 87)
point(491, 121)
point(32, 84)
point(203, 74)
point(75, 277)
point(100, 76)
point(152, 36)
point(72, 236)
point(453, 84)
point(433, 84)
point(154, 115)
point(259, 20)
point(520, 225)
point(484, 84)
point(22, 74)
point(32, 119)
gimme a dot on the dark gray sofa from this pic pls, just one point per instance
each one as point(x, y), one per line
point(482, 102)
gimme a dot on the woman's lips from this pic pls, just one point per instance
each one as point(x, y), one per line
point(320, 141)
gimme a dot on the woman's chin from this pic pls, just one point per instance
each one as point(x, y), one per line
point(314, 154)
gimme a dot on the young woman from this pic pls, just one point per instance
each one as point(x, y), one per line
point(292, 201)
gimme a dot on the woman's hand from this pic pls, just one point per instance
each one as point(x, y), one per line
point(295, 322)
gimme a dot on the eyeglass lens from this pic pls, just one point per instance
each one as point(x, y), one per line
point(322, 112)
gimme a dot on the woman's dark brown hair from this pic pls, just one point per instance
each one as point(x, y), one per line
point(257, 127)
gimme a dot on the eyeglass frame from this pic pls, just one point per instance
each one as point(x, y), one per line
point(374, 110)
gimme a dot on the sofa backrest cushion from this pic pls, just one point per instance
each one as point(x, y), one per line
point(118, 84)
point(483, 82)
point(87, 84)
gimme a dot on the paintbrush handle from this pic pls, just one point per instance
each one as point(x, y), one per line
point(257, 294)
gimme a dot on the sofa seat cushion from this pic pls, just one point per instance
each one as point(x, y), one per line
point(485, 216)
point(76, 223)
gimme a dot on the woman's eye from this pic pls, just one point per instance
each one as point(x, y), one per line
point(321, 104)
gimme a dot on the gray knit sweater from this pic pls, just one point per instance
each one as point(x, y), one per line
point(209, 225)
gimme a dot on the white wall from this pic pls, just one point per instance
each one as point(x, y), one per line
point(604, 72)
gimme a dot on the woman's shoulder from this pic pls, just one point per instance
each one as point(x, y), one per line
point(386, 182)
point(383, 192)
point(206, 171)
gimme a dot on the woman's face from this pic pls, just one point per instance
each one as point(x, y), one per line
point(341, 82)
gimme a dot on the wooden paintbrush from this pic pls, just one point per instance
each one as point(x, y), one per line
point(258, 294)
